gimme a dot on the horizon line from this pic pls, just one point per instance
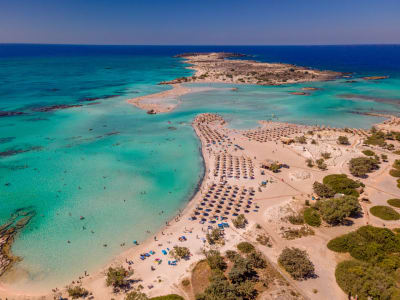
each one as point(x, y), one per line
point(202, 45)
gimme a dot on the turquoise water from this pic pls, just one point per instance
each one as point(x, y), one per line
point(113, 164)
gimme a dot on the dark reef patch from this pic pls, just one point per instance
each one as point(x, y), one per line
point(6, 139)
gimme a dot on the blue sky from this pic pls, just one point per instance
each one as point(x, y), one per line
point(192, 22)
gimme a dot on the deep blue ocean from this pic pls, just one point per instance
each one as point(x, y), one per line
point(120, 168)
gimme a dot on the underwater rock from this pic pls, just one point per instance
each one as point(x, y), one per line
point(10, 113)
point(55, 107)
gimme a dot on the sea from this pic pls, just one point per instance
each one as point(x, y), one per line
point(103, 173)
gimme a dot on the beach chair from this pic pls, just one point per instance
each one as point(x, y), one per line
point(164, 252)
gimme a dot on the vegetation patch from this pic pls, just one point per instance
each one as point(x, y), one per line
point(297, 263)
point(168, 297)
point(241, 280)
point(340, 183)
point(240, 221)
point(323, 190)
point(385, 213)
point(335, 210)
point(361, 166)
point(117, 277)
point(76, 292)
point(200, 276)
point(377, 138)
point(312, 217)
point(245, 247)
point(294, 233)
point(368, 152)
point(343, 140)
point(372, 274)
point(394, 202)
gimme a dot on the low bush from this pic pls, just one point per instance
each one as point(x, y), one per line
point(334, 211)
point(296, 219)
point(117, 277)
point(385, 213)
point(257, 260)
point(367, 243)
point(368, 152)
point(294, 233)
point(215, 237)
point(343, 140)
point(168, 297)
point(180, 252)
point(76, 292)
point(245, 247)
point(232, 255)
point(323, 190)
point(325, 155)
point(136, 295)
point(394, 202)
point(361, 166)
point(264, 240)
point(297, 263)
point(321, 164)
point(394, 172)
point(301, 140)
point(311, 217)
point(240, 221)
point(376, 139)
point(340, 183)
point(215, 260)
point(365, 280)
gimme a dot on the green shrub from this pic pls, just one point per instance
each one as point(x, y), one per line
point(136, 295)
point(180, 252)
point(323, 190)
point(367, 243)
point(297, 263)
point(311, 217)
point(76, 292)
point(257, 260)
point(340, 183)
point(394, 202)
point(295, 233)
point(241, 271)
point(245, 247)
point(296, 219)
point(232, 255)
point(301, 140)
point(368, 152)
point(364, 280)
point(117, 277)
point(334, 211)
point(396, 164)
point(343, 140)
point(385, 213)
point(215, 260)
point(240, 221)
point(325, 155)
point(394, 172)
point(361, 166)
point(376, 139)
point(215, 237)
point(168, 297)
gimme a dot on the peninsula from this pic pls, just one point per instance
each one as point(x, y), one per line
point(232, 68)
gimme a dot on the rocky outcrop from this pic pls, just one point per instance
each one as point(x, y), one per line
point(8, 232)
